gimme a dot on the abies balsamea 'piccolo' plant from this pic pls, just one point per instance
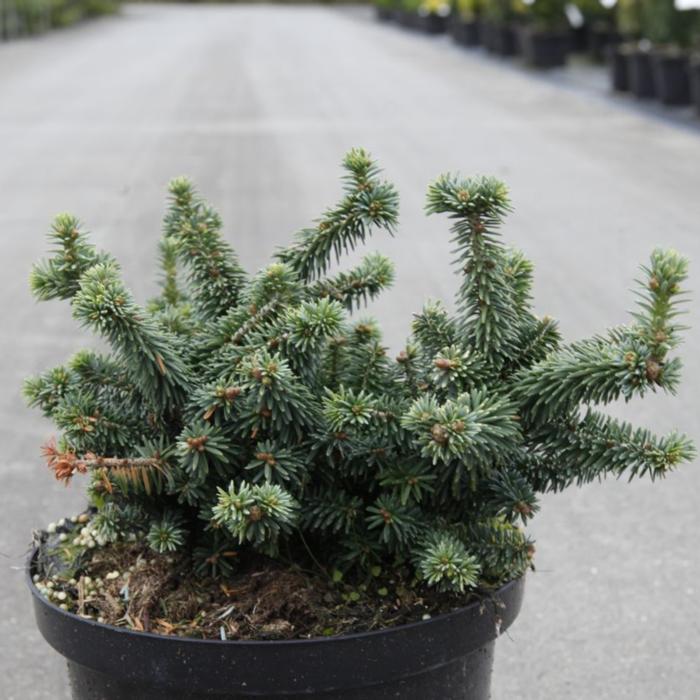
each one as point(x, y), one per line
point(237, 414)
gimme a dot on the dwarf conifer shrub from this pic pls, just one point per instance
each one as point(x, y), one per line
point(238, 414)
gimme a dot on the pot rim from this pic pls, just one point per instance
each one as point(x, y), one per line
point(31, 562)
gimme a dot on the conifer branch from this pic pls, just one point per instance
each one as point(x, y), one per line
point(148, 353)
point(368, 202)
point(59, 277)
point(215, 277)
point(478, 206)
point(359, 285)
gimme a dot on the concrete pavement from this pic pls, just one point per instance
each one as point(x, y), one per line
point(258, 105)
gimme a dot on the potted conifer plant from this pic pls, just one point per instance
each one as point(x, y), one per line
point(465, 22)
point(628, 14)
point(669, 31)
point(385, 9)
point(433, 16)
point(499, 28)
point(545, 39)
point(277, 507)
point(600, 23)
point(694, 72)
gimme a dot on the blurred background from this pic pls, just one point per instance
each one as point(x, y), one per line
point(588, 110)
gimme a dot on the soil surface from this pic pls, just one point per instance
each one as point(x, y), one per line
point(128, 585)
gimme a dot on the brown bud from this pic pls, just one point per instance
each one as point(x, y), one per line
point(463, 195)
point(523, 508)
point(266, 457)
point(375, 209)
point(255, 514)
point(231, 392)
point(197, 443)
point(444, 363)
point(457, 426)
point(653, 370)
point(654, 283)
point(402, 357)
point(439, 434)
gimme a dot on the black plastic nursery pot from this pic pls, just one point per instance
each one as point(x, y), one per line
point(543, 49)
point(694, 74)
point(500, 39)
point(671, 77)
point(384, 14)
point(432, 23)
point(600, 39)
point(407, 18)
point(465, 32)
point(448, 657)
point(579, 39)
point(618, 66)
point(640, 73)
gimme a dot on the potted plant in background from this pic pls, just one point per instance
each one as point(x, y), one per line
point(264, 479)
point(385, 9)
point(434, 15)
point(545, 38)
point(662, 59)
point(629, 23)
point(600, 23)
point(407, 13)
point(671, 54)
point(656, 29)
point(465, 22)
point(501, 19)
point(694, 67)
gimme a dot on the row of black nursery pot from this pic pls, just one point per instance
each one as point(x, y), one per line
point(542, 49)
point(669, 75)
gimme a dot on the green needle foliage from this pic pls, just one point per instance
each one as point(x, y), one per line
point(240, 413)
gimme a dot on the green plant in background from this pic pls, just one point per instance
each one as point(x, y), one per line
point(629, 18)
point(659, 21)
point(504, 11)
point(469, 10)
point(410, 5)
point(663, 24)
point(435, 7)
point(25, 17)
point(546, 14)
point(238, 414)
point(386, 4)
point(594, 12)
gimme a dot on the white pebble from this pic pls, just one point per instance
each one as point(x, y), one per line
point(62, 537)
point(51, 528)
point(112, 575)
point(61, 522)
point(61, 595)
